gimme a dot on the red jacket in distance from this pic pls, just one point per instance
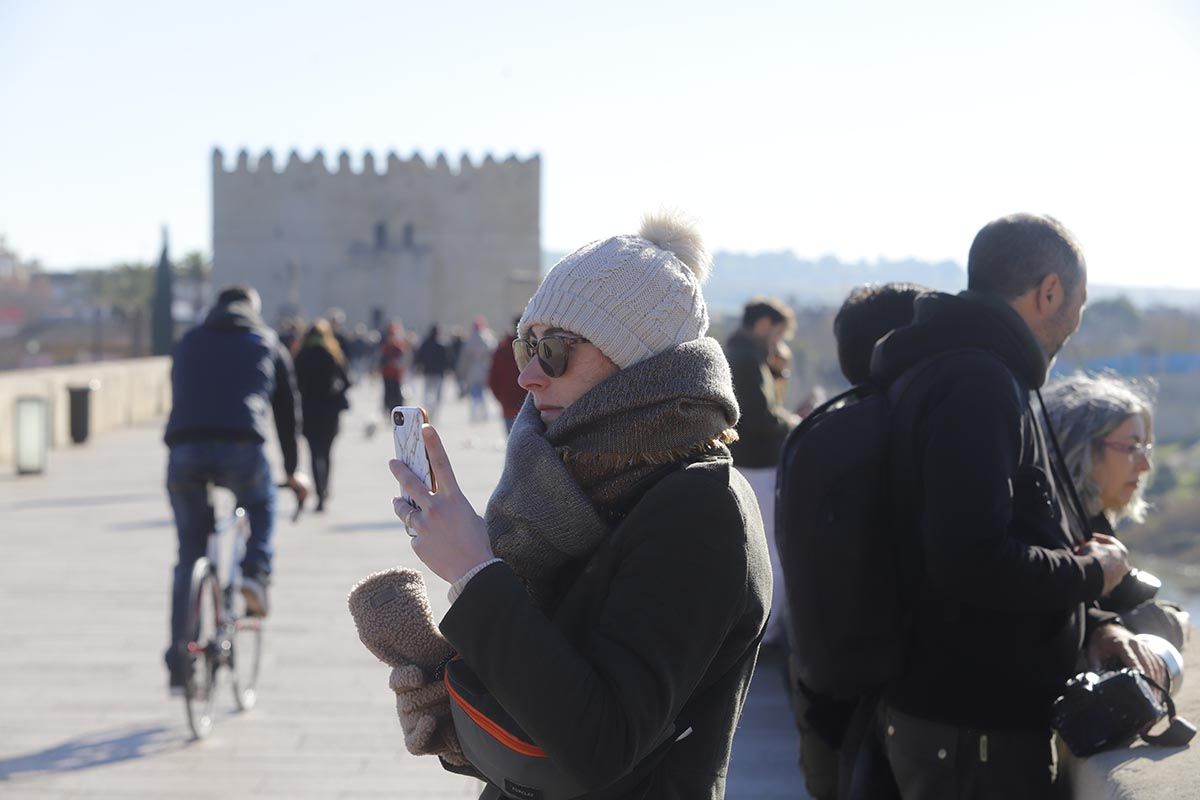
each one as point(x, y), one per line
point(502, 380)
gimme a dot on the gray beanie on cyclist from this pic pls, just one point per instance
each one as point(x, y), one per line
point(631, 296)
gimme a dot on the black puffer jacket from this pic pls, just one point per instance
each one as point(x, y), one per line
point(227, 375)
point(998, 595)
point(660, 624)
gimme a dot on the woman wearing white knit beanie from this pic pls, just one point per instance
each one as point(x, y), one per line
point(612, 597)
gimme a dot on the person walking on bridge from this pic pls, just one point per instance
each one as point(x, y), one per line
point(323, 383)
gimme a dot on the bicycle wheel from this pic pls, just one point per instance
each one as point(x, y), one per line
point(246, 656)
point(204, 647)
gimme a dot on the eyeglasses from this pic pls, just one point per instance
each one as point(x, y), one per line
point(551, 351)
point(1134, 450)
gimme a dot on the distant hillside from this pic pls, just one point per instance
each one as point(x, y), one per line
point(826, 281)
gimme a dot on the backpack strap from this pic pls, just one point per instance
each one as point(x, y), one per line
point(1058, 465)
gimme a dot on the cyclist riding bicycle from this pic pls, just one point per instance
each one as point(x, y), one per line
point(228, 374)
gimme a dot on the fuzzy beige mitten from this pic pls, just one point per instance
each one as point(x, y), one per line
point(392, 614)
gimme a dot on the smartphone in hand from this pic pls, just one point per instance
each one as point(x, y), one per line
point(410, 445)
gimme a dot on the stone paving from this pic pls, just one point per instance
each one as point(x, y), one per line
point(85, 557)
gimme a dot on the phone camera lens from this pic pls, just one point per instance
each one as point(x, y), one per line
point(398, 417)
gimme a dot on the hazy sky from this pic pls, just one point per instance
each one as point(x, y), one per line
point(858, 129)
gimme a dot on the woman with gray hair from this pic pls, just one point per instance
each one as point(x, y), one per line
point(1105, 425)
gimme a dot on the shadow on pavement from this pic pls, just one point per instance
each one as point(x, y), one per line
point(94, 750)
point(362, 527)
point(143, 525)
point(71, 502)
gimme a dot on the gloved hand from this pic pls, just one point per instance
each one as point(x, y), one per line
point(424, 711)
point(391, 612)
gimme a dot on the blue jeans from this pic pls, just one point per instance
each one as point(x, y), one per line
point(241, 467)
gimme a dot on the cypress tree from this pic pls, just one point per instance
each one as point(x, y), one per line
point(162, 325)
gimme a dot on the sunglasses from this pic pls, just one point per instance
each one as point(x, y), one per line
point(551, 351)
point(1134, 450)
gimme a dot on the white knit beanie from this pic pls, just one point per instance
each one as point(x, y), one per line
point(631, 296)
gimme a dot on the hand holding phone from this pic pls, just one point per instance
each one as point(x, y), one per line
point(410, 445)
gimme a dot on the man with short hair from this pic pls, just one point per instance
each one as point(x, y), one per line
point(996, 569)
point(227, 375)
point(869, 313)
point(763, 426)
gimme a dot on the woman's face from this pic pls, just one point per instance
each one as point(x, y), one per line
point(1119, 463)
point(586, 367)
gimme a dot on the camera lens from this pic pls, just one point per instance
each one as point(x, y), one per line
point(398, 417)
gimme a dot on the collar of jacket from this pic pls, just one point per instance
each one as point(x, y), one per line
point(967, 320)
point(238, 314)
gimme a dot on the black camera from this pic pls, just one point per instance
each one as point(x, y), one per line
point(1111, 709)
point(397, 417)
point(1103, 710)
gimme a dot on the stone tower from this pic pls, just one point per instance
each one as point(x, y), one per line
point(420, 243)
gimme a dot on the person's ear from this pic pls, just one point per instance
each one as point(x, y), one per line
point(1050, 294)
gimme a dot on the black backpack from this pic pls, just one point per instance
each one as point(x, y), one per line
point(831, 527)
point(835, 533)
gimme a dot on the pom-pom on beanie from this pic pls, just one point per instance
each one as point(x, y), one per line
point(631, 296)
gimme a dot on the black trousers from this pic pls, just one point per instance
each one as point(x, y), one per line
point(318, 448)
point(937, 761)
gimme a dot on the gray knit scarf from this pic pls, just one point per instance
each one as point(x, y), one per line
point(561, 482)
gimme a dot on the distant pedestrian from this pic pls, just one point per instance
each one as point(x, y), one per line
point(289, 332)
point(473, 365)
point(337, 325)
point(454, 349)
point(359, 353)
point(763, 426)
point(392, 351)
point(502, 378)
point(432, 361)
point(322, 380)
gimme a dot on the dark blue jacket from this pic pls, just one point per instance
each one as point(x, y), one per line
point(228, 374)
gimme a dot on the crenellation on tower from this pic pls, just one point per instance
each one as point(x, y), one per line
point(392, 163)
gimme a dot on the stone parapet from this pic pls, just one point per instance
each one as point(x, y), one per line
point(125, 392)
